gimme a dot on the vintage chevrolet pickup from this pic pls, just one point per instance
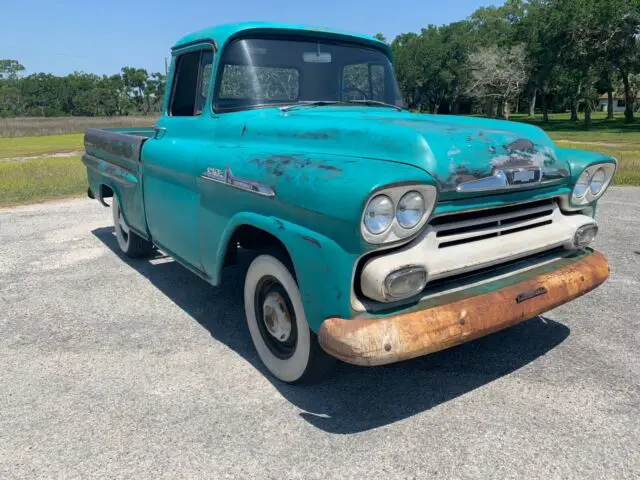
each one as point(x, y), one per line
point(377, 234)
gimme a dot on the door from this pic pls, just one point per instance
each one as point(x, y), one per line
point(170, 159)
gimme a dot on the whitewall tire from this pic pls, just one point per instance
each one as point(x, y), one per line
point(129, 242)
point(278, 325)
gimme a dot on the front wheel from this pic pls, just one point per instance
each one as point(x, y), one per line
point(131, 244)
point(277, 323)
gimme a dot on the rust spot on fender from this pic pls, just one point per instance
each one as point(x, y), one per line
point(329, 167)
point(312, 241)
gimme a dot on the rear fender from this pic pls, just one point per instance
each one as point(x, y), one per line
point(125, 186)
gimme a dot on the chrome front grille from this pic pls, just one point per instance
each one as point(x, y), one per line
point(468, 227)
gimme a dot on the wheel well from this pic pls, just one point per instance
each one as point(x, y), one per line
point(248, 237)
point(105, 191)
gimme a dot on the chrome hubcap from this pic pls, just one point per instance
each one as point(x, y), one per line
point(276, 317)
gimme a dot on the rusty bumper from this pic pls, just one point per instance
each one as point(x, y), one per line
point(378, 341)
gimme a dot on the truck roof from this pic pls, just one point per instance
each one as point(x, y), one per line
point(221, 34)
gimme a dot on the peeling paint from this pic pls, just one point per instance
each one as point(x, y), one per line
point(114, 143)
point(521, 145)
point(278, 165)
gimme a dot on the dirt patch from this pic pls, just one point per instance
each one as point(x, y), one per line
point(597, 144)
point(73, 153)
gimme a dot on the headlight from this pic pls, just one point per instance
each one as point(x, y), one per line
point(396, 213)
point(410, 209)
point(597, 182)
point(582, 185)
point(378, 215)
point(592, 183)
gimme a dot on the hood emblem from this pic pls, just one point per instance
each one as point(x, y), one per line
point(502, 179)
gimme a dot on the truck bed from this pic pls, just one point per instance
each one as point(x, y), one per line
point(119, 145)
point(112, 158)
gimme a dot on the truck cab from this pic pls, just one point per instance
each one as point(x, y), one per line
point(378, 234)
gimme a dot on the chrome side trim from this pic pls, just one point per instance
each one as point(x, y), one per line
point(226, 177)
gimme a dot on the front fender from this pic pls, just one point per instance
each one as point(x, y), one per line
point(578, 160)
point(323, 269)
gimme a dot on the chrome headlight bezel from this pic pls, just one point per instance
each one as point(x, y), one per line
point(580, 198)
point(396, 232)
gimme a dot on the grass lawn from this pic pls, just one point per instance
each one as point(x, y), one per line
point(32, 181)
point(27, 146)
point(611, 137)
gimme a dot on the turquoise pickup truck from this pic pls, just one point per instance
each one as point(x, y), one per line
point(377, 234)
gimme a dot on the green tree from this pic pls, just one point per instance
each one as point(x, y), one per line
point(135, 82)
point(380, 37)
point(10, 68)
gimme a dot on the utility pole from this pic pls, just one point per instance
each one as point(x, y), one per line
point(166, 67)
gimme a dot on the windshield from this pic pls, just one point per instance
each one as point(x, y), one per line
point(278, 71)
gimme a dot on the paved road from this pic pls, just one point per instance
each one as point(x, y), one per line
point(111, 368)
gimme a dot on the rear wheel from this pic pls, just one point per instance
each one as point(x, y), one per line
point(129, 242)
point(277, 323)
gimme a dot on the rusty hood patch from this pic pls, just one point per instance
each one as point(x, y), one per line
point(452, 149)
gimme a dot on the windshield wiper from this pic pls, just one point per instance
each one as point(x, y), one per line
point(322, 103)
point(374, 103)
point(308, 103)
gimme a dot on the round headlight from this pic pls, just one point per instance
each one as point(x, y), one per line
point(378, 215)
point(582, 185)
point(410, 209)
point(597, 181)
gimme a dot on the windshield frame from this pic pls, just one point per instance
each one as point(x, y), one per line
point(219, 70)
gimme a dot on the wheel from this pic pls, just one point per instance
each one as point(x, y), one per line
point(277, 323)
point(132, 245)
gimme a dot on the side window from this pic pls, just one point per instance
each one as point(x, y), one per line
point(192, 76)
point(363, 81)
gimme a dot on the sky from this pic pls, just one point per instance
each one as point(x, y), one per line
point(100, 37)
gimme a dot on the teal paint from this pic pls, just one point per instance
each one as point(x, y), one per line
point(322, 163)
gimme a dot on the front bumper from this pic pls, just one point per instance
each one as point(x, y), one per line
point(462, 316)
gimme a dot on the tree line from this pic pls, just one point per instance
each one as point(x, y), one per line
point(132, 91)
point(545, 55)
point(523, 56)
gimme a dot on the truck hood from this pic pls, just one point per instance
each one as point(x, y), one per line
point(465, 155)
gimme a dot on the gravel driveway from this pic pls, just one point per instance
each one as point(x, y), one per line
point(113, 368)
